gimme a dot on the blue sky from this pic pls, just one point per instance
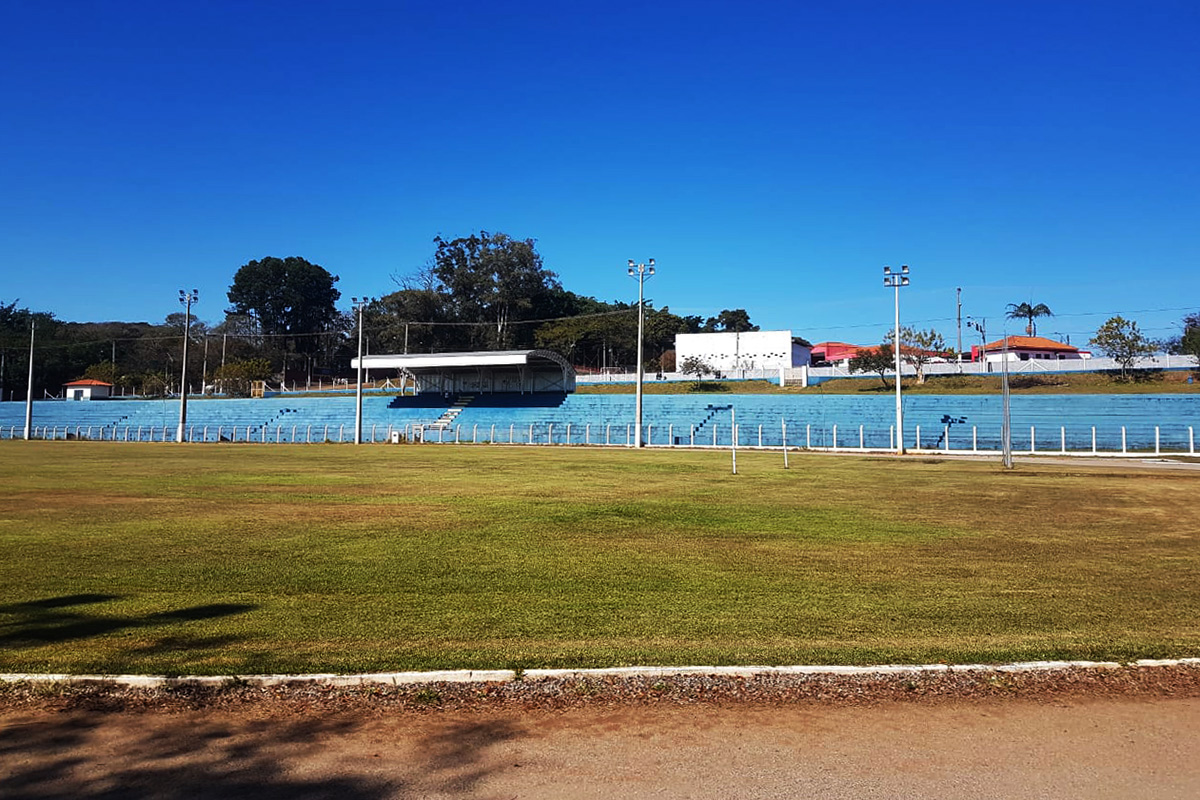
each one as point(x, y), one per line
point(772, 156)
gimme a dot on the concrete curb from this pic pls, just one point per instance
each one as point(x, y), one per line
point(506, 675)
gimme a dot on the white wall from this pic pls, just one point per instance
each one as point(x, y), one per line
point(729, 352)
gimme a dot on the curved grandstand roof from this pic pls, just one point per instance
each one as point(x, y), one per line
point(419, 362)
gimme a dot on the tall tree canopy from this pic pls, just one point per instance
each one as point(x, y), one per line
point(491, 277)
point(290, 298)
point(1029, 312)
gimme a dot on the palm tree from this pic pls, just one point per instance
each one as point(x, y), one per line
point(1029, 312)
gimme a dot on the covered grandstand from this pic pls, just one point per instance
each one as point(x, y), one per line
point(498, 372)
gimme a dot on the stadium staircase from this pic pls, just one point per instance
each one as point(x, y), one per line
point(450, 414)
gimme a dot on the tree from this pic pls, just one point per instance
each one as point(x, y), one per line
point(918, 348)
point(697, 367)
point(735, 320)
point(1029, 312)
point(1120, 340)
point(496, 279)
point(236, 379)
point(292, 300)
point(879, 360)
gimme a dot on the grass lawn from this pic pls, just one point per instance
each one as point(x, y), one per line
point(152, 558)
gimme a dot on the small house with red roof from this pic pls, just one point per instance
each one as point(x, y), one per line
point(1027, 348)
point(836, 352)
point(87, 389)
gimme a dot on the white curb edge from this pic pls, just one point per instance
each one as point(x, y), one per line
point(507, 675)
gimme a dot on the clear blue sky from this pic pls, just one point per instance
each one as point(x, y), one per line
point(772, 157)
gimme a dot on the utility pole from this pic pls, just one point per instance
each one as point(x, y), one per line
point(640, 272)
point(896, 280)
point(29, 389)
point(186, 300)
point(958, 294)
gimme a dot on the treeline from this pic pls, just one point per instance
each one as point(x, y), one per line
point(481, 292)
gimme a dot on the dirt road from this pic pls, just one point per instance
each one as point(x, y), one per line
point(1098, 748)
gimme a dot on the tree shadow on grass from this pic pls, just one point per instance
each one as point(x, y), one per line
point(95, 756)
point(57, 620)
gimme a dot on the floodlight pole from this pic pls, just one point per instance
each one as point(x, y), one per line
point(896, 280)
point(186, 299)
point(640, 272)
point(359, 304)
point(29, 388)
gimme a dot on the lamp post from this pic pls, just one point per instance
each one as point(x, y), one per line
point(29, 388)
point(640, 272)
point(187, 300)
point(980, 325)
point(359, 304)
point(895, 280)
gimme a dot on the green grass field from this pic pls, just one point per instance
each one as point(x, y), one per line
point(217, 559)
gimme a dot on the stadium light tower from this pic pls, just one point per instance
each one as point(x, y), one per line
point(359, 304)
point(895, 280)
point(640, 272)
point(186, 300)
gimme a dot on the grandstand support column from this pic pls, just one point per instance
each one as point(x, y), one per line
point(895, 280)
point(640, 272)
point(186, 301)
point(359, 304)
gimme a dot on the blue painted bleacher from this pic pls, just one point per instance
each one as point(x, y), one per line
point(608, 419)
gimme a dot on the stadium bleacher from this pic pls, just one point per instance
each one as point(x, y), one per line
point(702, 420)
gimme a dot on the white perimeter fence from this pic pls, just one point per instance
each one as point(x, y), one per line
point(946, 439)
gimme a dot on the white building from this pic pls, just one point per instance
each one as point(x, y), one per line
point(732, 352)
point(87, 389)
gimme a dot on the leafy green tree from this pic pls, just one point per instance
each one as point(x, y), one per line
point(879, 360)
point(496, 279)
point(237, 378)
point(292, 301)
point(1029, 312)
point(735, 320)
point(1120, 340)
point(698, 368)
point(919, 348)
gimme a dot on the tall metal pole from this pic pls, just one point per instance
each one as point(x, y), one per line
point(29, 389)
point(1006, 418)
point(896, 280)
point(640, 272)
point(958, 297)
point(187, 300)
point(359, 304)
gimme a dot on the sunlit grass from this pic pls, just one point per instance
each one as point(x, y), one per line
point(157, 558)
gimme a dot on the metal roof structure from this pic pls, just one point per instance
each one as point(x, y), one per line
point(483, 371)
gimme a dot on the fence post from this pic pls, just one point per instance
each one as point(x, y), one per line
point(714, 434)
point(1032, 440)
point(891, 437)
point(492, 438)
point(692, 437)
point(650, 434)
point(834, 436)
point(862, 439)
point(510, 433)
point(1156, 451)
point(1093, 440)
point(808, 436)
point(918, 437)
point(1123, 439)
point(530, 433)
point(587, 433)
point(1191, 441)
point(946, 439)
point(1063, 431)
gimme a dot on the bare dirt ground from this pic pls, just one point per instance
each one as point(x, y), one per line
point(1116, 734)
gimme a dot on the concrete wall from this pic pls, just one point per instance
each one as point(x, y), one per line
point(732, 352)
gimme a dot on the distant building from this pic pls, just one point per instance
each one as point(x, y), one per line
point(837, 353)
point(87, 389)
point(1027, 348)
point(732, 352)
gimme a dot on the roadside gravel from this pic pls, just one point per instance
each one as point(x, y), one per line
point(577, 691)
